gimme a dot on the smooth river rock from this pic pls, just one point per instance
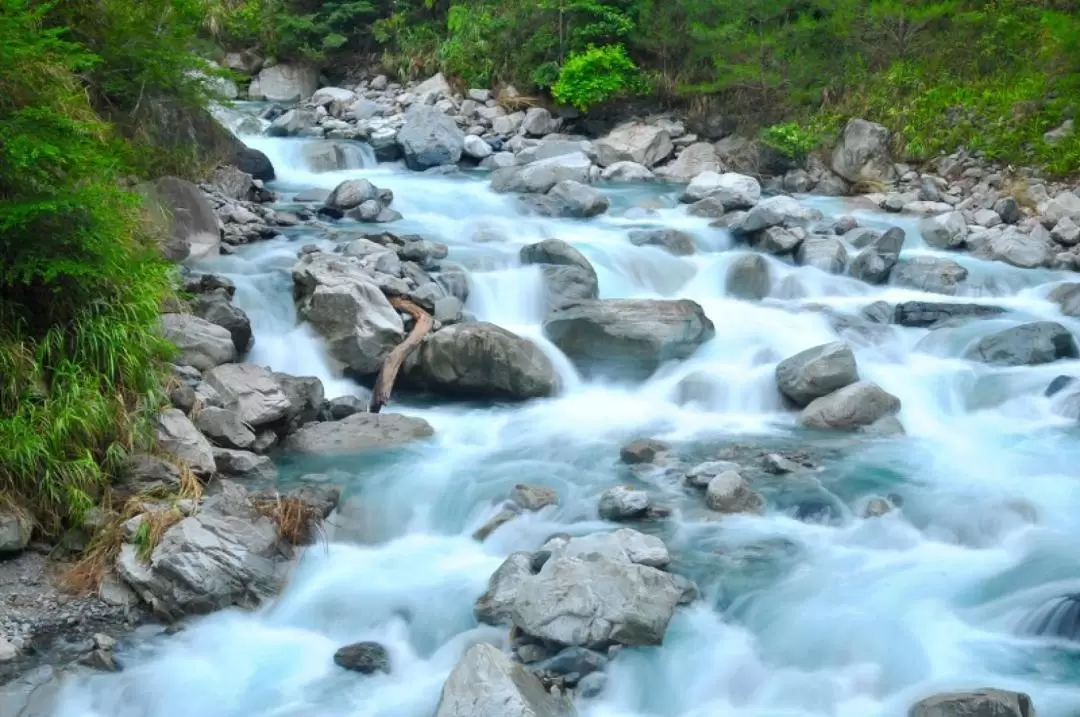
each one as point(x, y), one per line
point(1030, 344)
point(856, 406)
point(359, 433)
point(816, 372)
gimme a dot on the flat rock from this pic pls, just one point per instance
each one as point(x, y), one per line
point(359, 433)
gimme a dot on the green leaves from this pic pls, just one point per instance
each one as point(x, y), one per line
point(595, 75)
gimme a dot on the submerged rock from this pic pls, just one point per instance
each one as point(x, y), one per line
point(924, 314)
point(927, 273)
point(367, 658)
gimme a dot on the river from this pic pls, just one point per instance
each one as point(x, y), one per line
point(841, 617)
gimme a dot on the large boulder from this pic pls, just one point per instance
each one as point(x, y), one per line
point(177, 436)
point(495, 606)
point(1019, 249)
point(482, 360)
point(628, 337)
point(944, 231)
point(251, 391)
point(776, 212)
point(285, 83)
point(190, 226)
point(692, 161)
point(540, 176)
point(215, 306)
point(430, 138)
point(858, 405)
point(823, 252)
point(816, 372)
point(486, 683)
point(568, 198)
point(539, 122)
point(227, 554)
point(635, 142)
point(863, 153)
point(359, 433)
point(986, 702)
point(733, 191)
point(1067, 297)
point(748, 278)
point(350, 194)
point(306, 395)
point(568, 276)
point(875, 263)
point(1025, 345)
point(929, 273)
point(201, 344)
point(253, 162)
point(556, 252)
point(224, 427)
point(729, 492)
point(345, 306)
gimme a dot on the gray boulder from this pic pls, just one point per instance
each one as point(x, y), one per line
point(780, 240)
point(217, 308)
point(244, 465)
point(1020, 250)
point(189, 224)
point(567, 285)
point(485, 683)
point(627, 172)
point(823, 252)
point(495, 606)
point(623, 545)
point(928, 273)
point(1067, 297)
point(366, 658)
point(1030, 344)
point(816, 372)
point(855, 406)
point(628, 337)
point(177, 436)
point(286, 83)
point(730, 493)
point(622, 503)
point(350, 194)
point(539, 122)
point(734, 191)
point(574, 199)
point(476, 148)
point(944, 231)
point(533, 497)
point(692, 161)
point(15, 531)
point(359, 433)
point(556, 252)
point(482, 360)
point(251, 391)
point(306, 395)
point(540, 176)
point(986, 702)
point(876, 262)
point(863, 153)
point(430, 139)
point(295, 122)
point(749, 278)
point(924, 314)
point(201, 344)
point(779, 211)
point(676, 242)
point(634, 142)
point(224, 427)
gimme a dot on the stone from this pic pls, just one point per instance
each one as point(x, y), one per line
point(476, 148)
point(306, 395)
point(556, 252)
point(430, 139)
point(816, 372)
point(823, 252)
point(779, 211)
point(201, 344)
point(1066, 232)
point(780, 241)
point(193, 230)
point(876, 262)
point(432, 89)
point(254, 162)
point(251, 391)
point(216, 308)
point(623, 545)
point(1031, 344)
point(692, 161)
point(15, 531)
point(287, 83)
point(1009, 210)
point(777, 464)
point(578, 200)
point(628, 337)
point(925, 314)
point(730, 493)
point(944, 231)
point(1020, 250)
point(928, 273)
point(177, 436)
point(749, 278)
point(877, 507)
point(539, 122)
point(351, 194)
point(1063, 205)
point(552, 147)
point(674, 241)
point(710, 208)
point(622, 503)
point(700, 475)
point(540, 176)
point(224, 427)
point(359, 433)
point(482, 360)
point(143, 473)
point(643, 450)
point(855, 406)
point(485, 683)
point(734, 191)
point(533, 497)
point(863, 153)
point(494, 607)
point(295, 122)
point(1067, 297)
point(645, 144)
point(568, 285)
point(987, 702)
point(627, 172)
point(367, 658)
point(987, 218)
point(244, 465)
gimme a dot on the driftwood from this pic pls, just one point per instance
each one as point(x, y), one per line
point(422, 324)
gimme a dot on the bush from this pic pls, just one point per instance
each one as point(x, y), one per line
point(791, 140)
point(596, 75)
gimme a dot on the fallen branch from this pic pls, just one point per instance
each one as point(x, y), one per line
point(422, 324)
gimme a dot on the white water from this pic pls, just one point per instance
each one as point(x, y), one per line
point(855, 618)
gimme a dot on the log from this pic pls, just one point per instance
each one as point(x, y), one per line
point(422, 324)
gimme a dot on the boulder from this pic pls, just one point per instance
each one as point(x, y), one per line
point(224, 427)
point(306, 395)
point(485, 683)
point(627, 172)
point(556, 252)
point(336, 100)
point(876, 262)
point(432, 90)
point(734, 191)
point(367, 658)
point(287, 83)
point(692, 161)
point(552, 147)
point(1020, 250)
point(201, 344)
point(628, 337)
point(944, 231)
point(816, 372)
point(1066, 232)
point(823, 252)
point(297, 121)
point(749, 278)
point(251, 391)
point(540, 176)
point(863, 153)
point(674, 241)
point(345, 306)
point(350, 194)
point(623, 545)
point(244, 465)
point(482, 360)
point(1067, 297)
point(476, 148)
point(622, 503)
point(1039, 342)
point(928, 273)
point(645, 144)
point(253, 162)
point(925, 314)
point(986, 702)
point(494, 607)
point(193, 231)
point(15, 531)
point(567, 285)
point(430, 139)
point(778, 211)
point(855, 406)
point(641, 451)
point(1064, 205)
point(177, 436)
point(539, 122)
point(217, 308)
point(730, 493)
point(578, 200)
point(359, 433)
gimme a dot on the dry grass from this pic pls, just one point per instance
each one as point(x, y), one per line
point(514, 102)
point(1020, 189)
point(869, 185)
point(298, 522)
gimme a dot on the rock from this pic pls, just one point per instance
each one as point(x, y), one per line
point(627, 172)
point(253, 162)
point(251, 391)
point(494, 607)
point(351, 194)
point(288, 83)
point(1030, 344)
point(296, 121)
point(430, 139)
point(622, 503)
point(630, 337)
point(734, 191)
point(1066, 232)
point(359, 433)
point(540, 176)
point(634, 142)
point(482, 360)
point(700, 475)
point(578, 200)
point(876, 262)
point(924, 314)
point(306, 395)
point(822, 252)
point(367, 658)
point(944, 231)
point(432, 89)
point(233, 183)
point(1009, 210)
point(539, 122)
point(986, 702)
point(177, 436)
point(1063, 205)
point(859, 404)
point(224, 427)
point(216, 308)
point(877, 507)
point(730, 493)
point(15, 531)
point(864, 236)
point(246, 62)
point(226, 554)
point(863, 153)
point(533, 497)
point(623, 545)
point(777, 464)
point(1067, 297)
point(202, 345)
point(345, 406)
point(336, 99)
point(348, 310)
point(552, 147)
point(568, 285)
point(780, 241)
point(485, 683)
point(193, 231)
point(695, 159)
point(711, 208)
point(476, 148)
point(556, 252)
point(676, 242)
point(593, 601)
point(244, 465)
point(643, 450)
point(749, 278)
point(816, 372)
point(591, 686)
point(500, 519)
point(987, 218)
point(778, 211)
point(927, 273)
point(577, 661)
point(1020, 250)
point(142, 473)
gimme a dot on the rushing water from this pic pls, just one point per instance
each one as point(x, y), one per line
point(846, 618)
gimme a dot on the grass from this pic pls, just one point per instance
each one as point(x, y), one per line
point(298, 521)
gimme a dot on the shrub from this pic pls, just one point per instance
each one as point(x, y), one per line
point(595, 75)
point(791, 139)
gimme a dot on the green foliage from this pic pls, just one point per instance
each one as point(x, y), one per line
point(595, 75)
point(791, 139)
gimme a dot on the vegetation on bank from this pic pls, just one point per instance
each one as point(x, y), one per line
point(989, 75)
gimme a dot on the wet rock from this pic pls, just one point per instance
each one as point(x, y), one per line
point(749, 278)
point(730, 493)
point(1030, 344)
point(635, 142)
point(876, 262)
point(216, 308)
point(350, 194)
point(733, 191)
point(577, 200)
point(577, 661)
point(177, 436)
point(359, 433)
point(305, 394)
point(494, 607)
point(945, 231)
point(482, 360)
point(779, 465)
point(1020, 250)
point(533, 497)
point(700, 475)
point(554, 251)
point(476, 148)
point(623, 503)
point(643, 450)
point(825, 253)
point(568, 275)
point(224, 427)
point(860, 404)
point(1059, 384)
point(779, 211)
point(676, 242)
point(780, 241)
point(863, 236)
point(877, 507)
point(591, 686)
point(628, 337)
point(974, 703)
point(816, 372)
point(486, 682)
point(201, 344)
point(295, 122)
point(622, 545)
point(251, 391)
point(627, 172)
point(540, 176)
point(924, 314)
point(430, 138)
point(1067, 297)
point(345, 406)
point(711, 208)
point(863, 153)
point(932, 274)
point(367, 658)
point(500, 519)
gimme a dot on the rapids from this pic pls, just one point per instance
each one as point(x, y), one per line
point(842, 618)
